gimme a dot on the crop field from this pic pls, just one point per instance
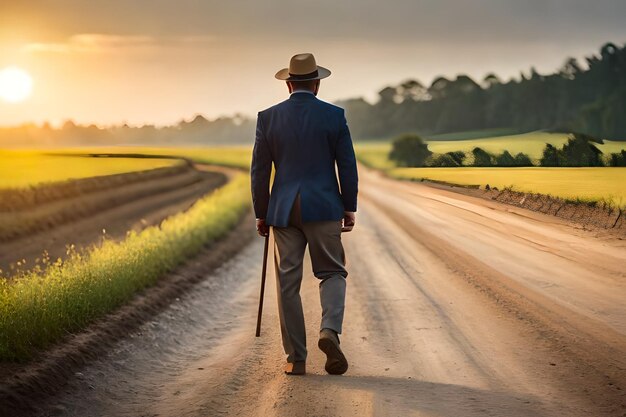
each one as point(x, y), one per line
point(582, 184)
point(38, 307)
point(231, 156)
point(55, 296)
point(20, 169)
point(375, 154)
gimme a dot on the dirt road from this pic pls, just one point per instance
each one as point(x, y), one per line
point(456, 306)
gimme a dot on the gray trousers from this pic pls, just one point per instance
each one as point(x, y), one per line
point(328, 262)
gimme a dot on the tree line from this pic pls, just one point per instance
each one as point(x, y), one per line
point(587, 98)
point(198, 131)
point(410, 150)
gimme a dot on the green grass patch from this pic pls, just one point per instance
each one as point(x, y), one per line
point(40, 307)
point(20, 169)
point(475, 134)
point(576, 184)
point(374, 155)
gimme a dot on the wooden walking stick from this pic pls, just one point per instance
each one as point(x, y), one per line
point(263, 273)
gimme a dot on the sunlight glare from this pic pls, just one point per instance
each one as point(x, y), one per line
point(15, 84)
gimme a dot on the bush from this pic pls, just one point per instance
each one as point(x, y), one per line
point(523, 160)
point(550, 156)
point(579, 151)
point(409, 151)
point(458, 156)
point(482, 158)
point(444, 160)
point(618, 159)
point(505, 159)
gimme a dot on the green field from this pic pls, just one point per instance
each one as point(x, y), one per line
point(374, 154)
point(583, 184)
point(20, 169)
point(475, 134)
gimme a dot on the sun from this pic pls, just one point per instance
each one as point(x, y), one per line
point(15, 84)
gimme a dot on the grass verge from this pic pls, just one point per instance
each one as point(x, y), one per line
point(39, 308)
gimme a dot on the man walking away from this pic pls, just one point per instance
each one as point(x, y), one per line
point(309, 143)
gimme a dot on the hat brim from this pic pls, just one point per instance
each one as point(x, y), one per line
point(283, 74)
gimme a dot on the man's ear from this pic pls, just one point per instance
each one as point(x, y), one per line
point(289, 87)
point(317, 86)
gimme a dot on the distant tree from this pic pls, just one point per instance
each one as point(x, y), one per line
point(618, 159)
point(608, 49)
point(463, 84)
point(409, 150)
point(388, 94)
point(534, 75)
point(580, 152)
point(458, 156)
point(523, 160)
point(550, 156)
point(570, 69)
point(439, 89)
point(490, 80)
point(505, 159)
point(588, 98)
point(444, 160)
point(482, 158)
point(412, 90)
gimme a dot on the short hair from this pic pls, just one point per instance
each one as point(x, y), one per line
point(304, 85)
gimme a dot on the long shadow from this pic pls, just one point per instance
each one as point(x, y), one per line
point(408, 397)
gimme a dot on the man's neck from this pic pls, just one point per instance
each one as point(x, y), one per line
point(302, 91)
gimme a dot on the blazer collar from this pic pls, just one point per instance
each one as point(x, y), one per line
point(302, 95)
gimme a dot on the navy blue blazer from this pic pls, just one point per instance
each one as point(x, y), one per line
point(304, 138)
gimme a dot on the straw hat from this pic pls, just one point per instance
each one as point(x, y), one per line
point(302, 67)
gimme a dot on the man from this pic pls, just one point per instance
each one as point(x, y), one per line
point(309, 143)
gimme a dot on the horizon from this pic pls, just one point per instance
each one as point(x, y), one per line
point(371, 99)
point(163, 63)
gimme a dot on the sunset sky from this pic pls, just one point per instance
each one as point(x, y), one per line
point(155, 61)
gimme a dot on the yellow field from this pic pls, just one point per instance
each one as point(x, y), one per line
point(20, 169)
point(233, 156)
point(587, 184)
point(375, 154)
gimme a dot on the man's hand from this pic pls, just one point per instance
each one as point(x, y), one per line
point(262, 228)
point(349, 219)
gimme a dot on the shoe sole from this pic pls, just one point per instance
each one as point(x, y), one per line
point(296, 370)
point(336, 362)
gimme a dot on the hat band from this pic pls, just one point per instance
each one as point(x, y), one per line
point(295, 77)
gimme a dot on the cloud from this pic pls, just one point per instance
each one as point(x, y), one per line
point(99, 43)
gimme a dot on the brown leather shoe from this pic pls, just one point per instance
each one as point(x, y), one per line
point(295, 368)
point(336, 362)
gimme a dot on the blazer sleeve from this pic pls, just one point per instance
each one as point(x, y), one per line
point(260, 171)
point(346, 166)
